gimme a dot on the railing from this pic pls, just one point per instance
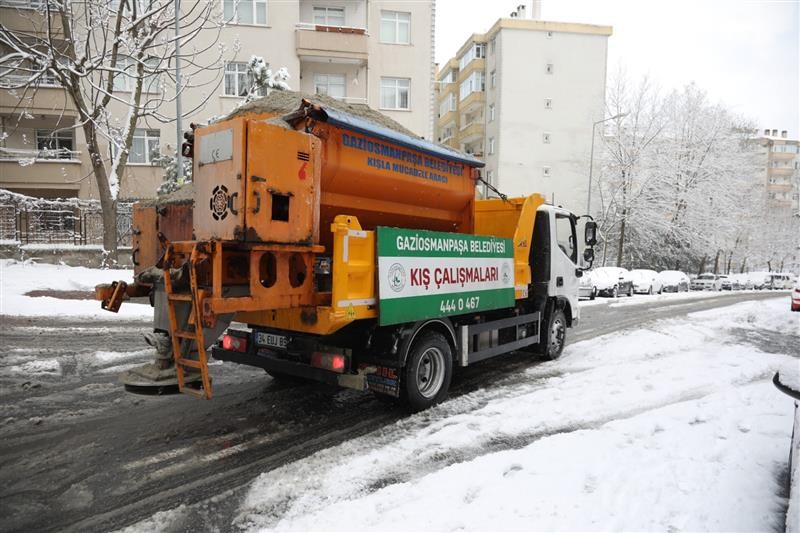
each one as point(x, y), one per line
point(61, 223)
point(23, 4)
point(310, 26)
point(22, 155)
point(17, 80)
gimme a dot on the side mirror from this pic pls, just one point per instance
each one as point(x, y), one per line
point(588, 255)
point(590, 233)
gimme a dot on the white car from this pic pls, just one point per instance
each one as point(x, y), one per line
point(707, 282)
point(760, 280)
point(587, 288)
point(673, 281)
point(646, 281)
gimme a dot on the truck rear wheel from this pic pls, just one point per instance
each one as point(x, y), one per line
point(428, 370)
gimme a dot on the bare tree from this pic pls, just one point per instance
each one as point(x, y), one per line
point(115, 60)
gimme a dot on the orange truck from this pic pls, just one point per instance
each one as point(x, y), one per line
point(356, 256)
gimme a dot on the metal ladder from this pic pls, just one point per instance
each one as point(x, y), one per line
point(194, 324)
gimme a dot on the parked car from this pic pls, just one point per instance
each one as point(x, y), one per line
point(612, 281)
point(780, 281)
point(586, 287)
point(726, 282)
point(707, 282)
point(645, 281)
point(796, 296)
point(673, 281)
point(740, 282)
point(760, 280)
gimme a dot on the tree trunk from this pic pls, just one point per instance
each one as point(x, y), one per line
point(769, 265)
point(621, 247)
point(107, 202)
point(702, 265)
point(716, 263)
point(744, 264)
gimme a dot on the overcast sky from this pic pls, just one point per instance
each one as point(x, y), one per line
point(744, 53)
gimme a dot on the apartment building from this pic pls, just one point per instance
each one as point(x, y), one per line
point(375, 52)
point(523, 97)
point(782, 171)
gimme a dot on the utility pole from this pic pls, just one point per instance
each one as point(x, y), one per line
point(178, 112)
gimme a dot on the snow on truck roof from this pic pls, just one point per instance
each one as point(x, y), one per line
point(358, 118)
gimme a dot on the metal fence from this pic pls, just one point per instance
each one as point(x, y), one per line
point(57, 223)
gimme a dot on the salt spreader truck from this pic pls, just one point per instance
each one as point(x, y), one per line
point(357, 256)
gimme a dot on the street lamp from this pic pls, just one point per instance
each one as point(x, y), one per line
point(591, 159)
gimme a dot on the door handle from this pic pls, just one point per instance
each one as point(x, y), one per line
point(231, 199)
point(257, 208)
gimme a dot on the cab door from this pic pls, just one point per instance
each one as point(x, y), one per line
point(564, 281)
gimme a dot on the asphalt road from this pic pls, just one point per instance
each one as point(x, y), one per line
point(79, 453)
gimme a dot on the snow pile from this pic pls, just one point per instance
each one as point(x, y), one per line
point(673, 427)
point(19, 278)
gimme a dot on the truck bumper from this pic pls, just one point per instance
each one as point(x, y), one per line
point(357, 381)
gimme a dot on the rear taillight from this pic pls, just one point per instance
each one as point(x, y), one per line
point(234, 344)
point(329, 361)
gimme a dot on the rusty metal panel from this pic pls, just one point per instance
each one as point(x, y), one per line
point(219, 187)
point(175, 221)
point(146, 249)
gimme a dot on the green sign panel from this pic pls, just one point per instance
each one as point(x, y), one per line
point(427, 274)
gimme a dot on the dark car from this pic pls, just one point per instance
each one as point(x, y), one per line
point(612, 281)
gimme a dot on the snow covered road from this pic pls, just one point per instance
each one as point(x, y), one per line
point(659, 415)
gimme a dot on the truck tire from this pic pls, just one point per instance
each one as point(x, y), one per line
point(428, 370)
point(556, 335)
point(614, 292)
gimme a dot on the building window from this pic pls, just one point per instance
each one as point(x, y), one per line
point(493, 79)
point(55, 144)
point(330, 84)
point(549, 35)
point(447, 105)
point(490, 176)
point(546, 172)
point(474, 83)
point(476, 51)
point(447, 133)
point(245, 11)
point(491, 113)
point(145, 146)
point(449, 77)
point(491, 145)
point(548, 69)
point(546, 138)
point(329, 16)
point(395, 27)
point(548, 103)
point(492, 45)
point(395, 93)
point(238, 80)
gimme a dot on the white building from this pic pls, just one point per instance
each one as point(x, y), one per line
point(524, 97)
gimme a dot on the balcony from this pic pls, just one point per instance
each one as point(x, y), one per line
point(331, 44)
point(27, 17)
point(473, 101)
point(47, 98)
point(40, 169)
point(471, 132)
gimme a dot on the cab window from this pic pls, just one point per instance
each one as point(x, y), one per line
point(565, 234)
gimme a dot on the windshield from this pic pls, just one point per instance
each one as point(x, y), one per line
point(705, 276)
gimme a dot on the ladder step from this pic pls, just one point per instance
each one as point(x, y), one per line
point(197, 393)
point(193, 363)
point(179, 297)
point(185, 334)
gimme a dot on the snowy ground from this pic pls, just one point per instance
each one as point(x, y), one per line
point(672, 427)
point(17, 279)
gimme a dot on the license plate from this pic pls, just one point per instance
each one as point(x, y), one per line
point(271, 339)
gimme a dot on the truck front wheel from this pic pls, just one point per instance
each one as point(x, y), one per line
point(556, 334)
point(429, 367)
